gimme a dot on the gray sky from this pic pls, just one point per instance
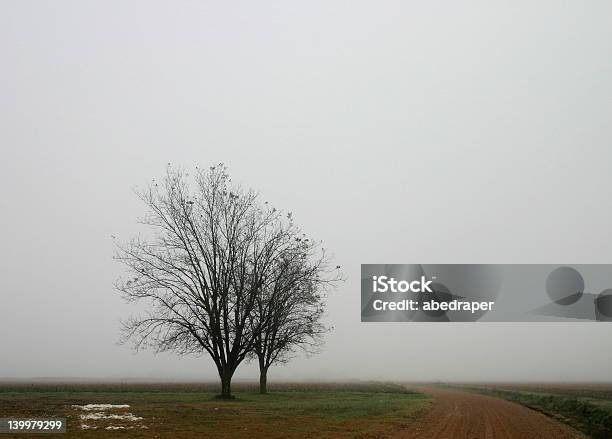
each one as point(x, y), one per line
point(397, 132)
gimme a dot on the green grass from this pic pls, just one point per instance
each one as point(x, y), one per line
point(304, 410)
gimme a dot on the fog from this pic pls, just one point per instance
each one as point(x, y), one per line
point(396, 132)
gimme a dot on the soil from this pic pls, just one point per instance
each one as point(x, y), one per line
point(460, 414)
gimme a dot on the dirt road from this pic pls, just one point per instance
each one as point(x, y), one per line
point(463, 415)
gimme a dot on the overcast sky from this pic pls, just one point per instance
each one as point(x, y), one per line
point(397, 132)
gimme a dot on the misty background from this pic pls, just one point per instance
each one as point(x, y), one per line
point(397, 132)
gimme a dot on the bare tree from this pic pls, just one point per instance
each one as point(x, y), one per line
point(291, 305)
point(212, 249)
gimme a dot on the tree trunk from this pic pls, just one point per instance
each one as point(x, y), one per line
point(263, 380)
point(226, 384)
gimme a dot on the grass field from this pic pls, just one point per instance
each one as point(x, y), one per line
point(587, 408)
point(370, 410)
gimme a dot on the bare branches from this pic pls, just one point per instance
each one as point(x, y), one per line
point(218, 270)
point(291, 305)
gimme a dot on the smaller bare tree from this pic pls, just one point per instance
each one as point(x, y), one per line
point(291, 305)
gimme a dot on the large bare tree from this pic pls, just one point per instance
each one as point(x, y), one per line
point(291, 305)
point(212, 249)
